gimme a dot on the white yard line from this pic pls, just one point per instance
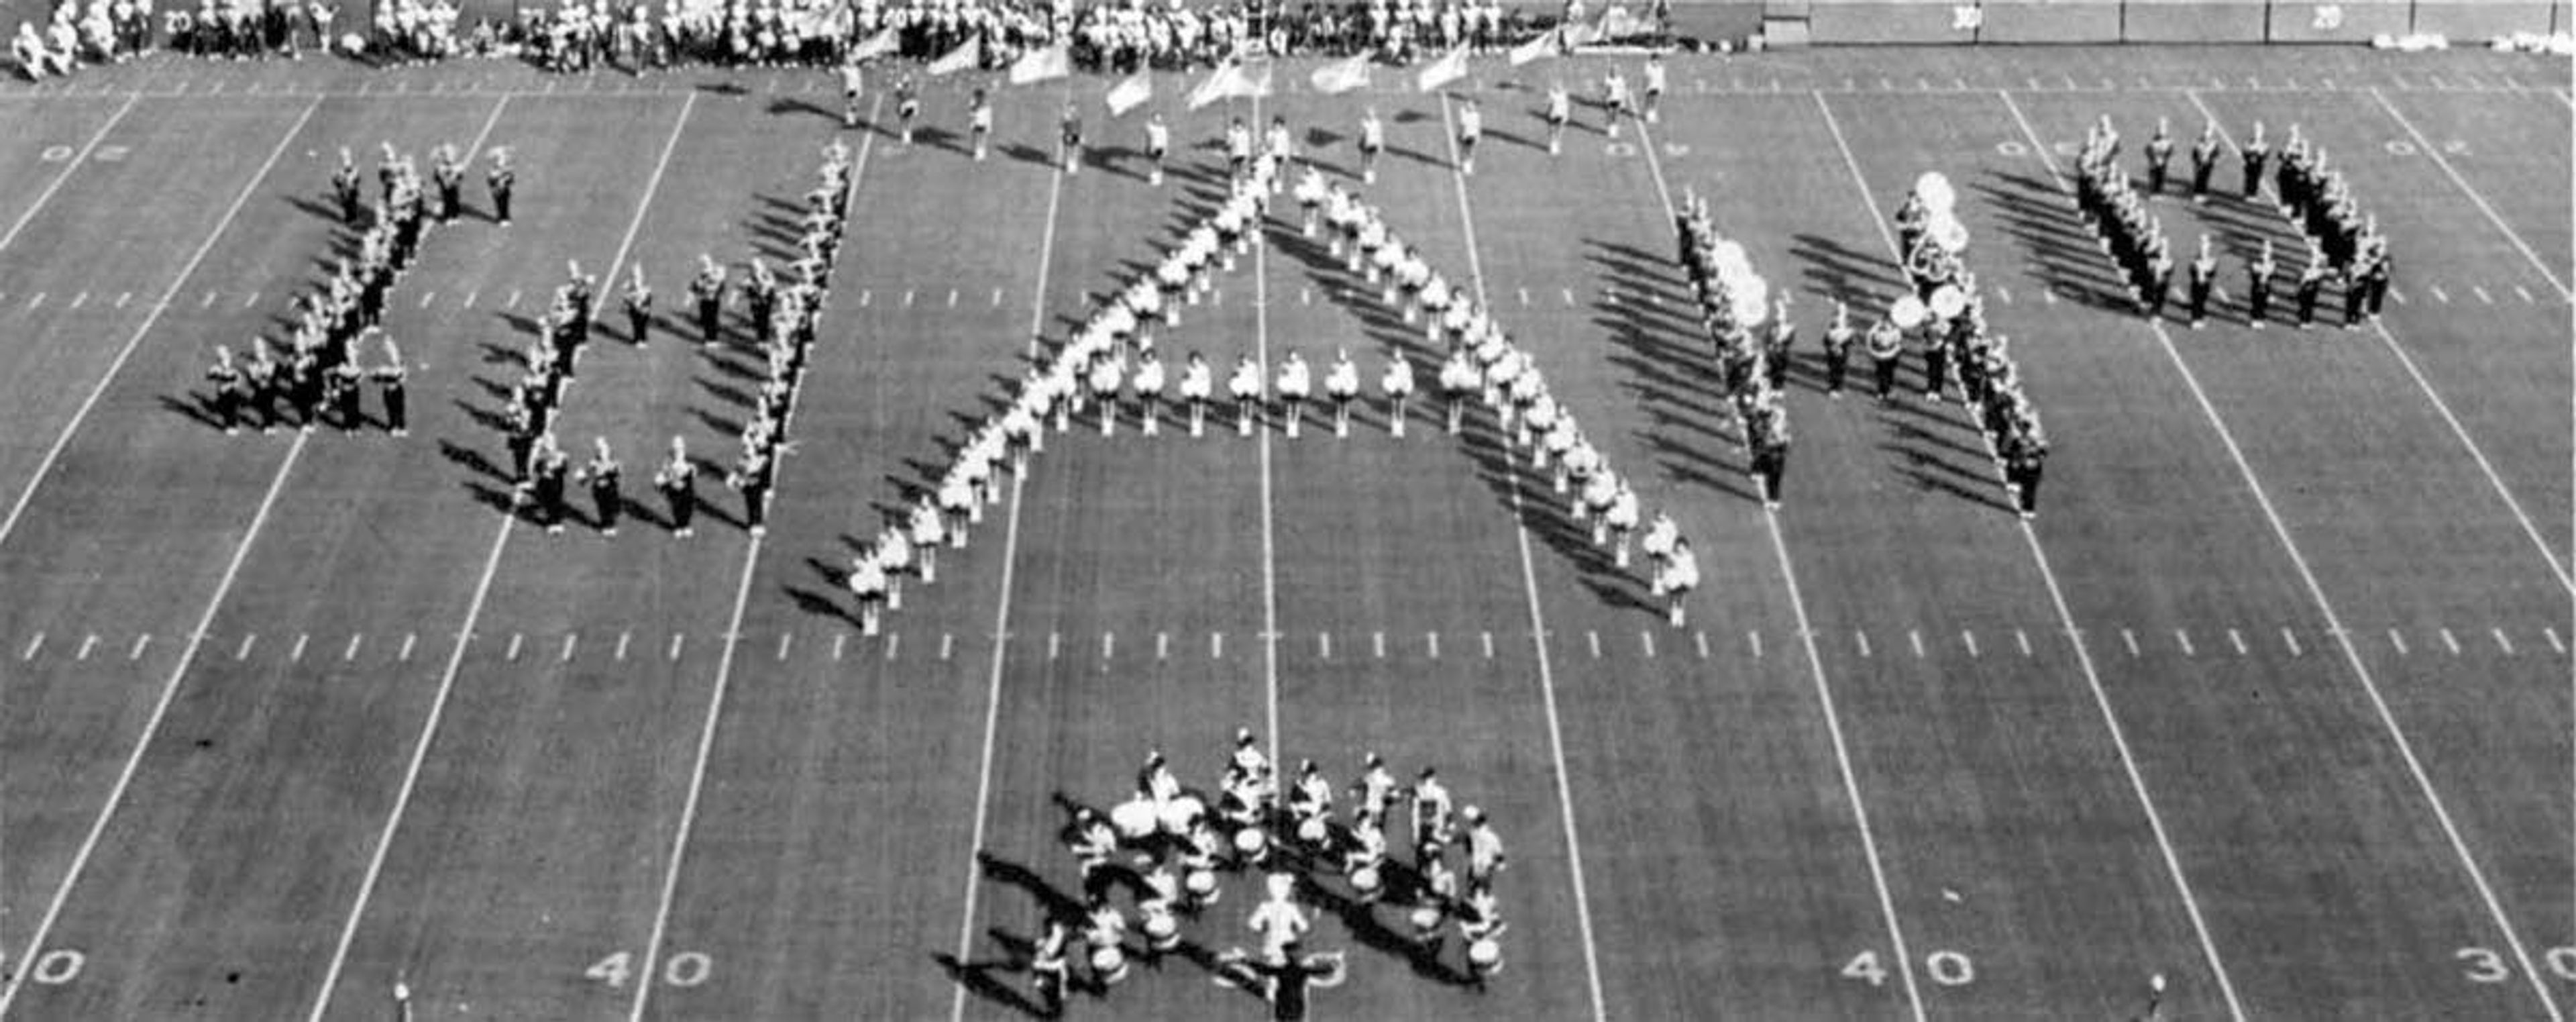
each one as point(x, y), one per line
point(724, 674)
point(473, 613)
point(2429, 149)
point(2334, 626)
point(1538, 620)
point(1002, 618)
point(66, 175)
point(35, 946)
point(1269, 549)
point(81, 415)
point(2556, 567)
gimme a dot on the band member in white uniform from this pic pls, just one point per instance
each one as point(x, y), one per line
point(1342, 384)
point(1398, 384)
point(1148, 384)
point(1677, 577)
point(1245, 385)
point(1295, 383)
point(1196, 382)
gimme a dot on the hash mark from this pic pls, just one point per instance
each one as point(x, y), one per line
point(87, 645)
point(2022, 639)
point(1055, 644)
point(1108, 644)
point(514, 300)
point(2451, 641)
point(140, 641)
point(80, 299)
point(623, 638)
point(1377, 642)
point(515, 639)
point(2185, 638)
point(1324, 644)
point(297, 654)
point(2397, 640)
point(2481, 292)
point(2554, 644)
point(1971, 639)
point(1216, 645)
point(428, 297)
point(2291, 639)
point(1701, 640)
point(678, 639)
point(894, 645)
point(2237, 640)
point(247, 642)
point(123, 297)
point(1862, 638)
point(410, 639)
point(1647, 638)
point(2502, 642)
point(1756, 639)
point(840, 642)
point(1162, 645)
point(784, 640)
point(1434, 638)
point(2524, 292)
point(1595, 639)
point(1915, 637)
point(1489, 644)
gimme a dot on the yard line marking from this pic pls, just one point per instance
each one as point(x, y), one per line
point(1595, 638)
point(248, 641)
point(80, 299)
point(2022, 639)
point(1377, 642)
point(2183, 638)
point(1433, 640)
point(2398, 641)
point(409, 640)
point(2237, 640)
point(1862, 638)
point(2554, 645)
point(2429, 149)
point(86, 646)
point(2290, 639)
point(1915, 636)
point(2451, 641)
point(1489, 644)
point(1538, 619)
point(2481, 292)
point(1970, 638)
point(1269, 547)
point(1700, 639)
point(715, 714)
point(298, 654)
point(2130, 639)
point(2502, 643)
point(34, 948)
point(2334, 622)
point(66, 173)
point(623, 639)
point(1806, 633)
point(1002, 610)
point(1647, 639)
point(63, 439)
point(2494, 480)
point(2066, 616)
point(516, 638)
point(140, 641)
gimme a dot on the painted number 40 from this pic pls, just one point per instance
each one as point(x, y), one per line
point(686, 969)
point(1948, 968)
point(2484, 965)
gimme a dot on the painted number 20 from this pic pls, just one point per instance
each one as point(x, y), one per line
point(1948, 968)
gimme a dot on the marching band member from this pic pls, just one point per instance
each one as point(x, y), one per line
point(1622, 519)
point(1374, 788)
point(1560, 109)
point(1195, 383)
point(1678, 575)
point(1279, 919)
point(928, 531)
point(1148, 384)
point(1106, 375)
point(1342, 383)
point(1458, 378)
point(1245, 385)
point(1105, 932)
point(1294, 384)
point(894, 552)
point(1398, 385)
point(868, 586)
point(1431, 812)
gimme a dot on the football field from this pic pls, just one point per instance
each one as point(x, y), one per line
point(2273, 698)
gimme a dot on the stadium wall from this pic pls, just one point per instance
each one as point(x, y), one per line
point(2349, 22)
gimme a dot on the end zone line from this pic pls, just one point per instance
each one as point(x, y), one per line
point(81, 415)
point(66, 175)
point(2083, 649)
point(473, 613)
point(1816, 665)
point(687, 826)
point(1002, 615)
point(2429, 149)
point(2334, 627)
point(2439, 405)
point(10, 987)
point(1538, 620)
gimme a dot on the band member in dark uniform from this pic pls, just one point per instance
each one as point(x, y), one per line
point(389, 381)
point(639, 307)
point(678, 481)
point(502, 181)
point(229, 391)
point(1838, 344)
point(2204, 276)
point(2258, 286)
point(601, 473)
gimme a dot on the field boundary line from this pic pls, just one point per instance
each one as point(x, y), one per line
point(687, 826)
point(1538, 618)
point(11, 986)
point(1002, 613)
point(1816, 668)
point(2334, 626)
point(482, 592)
point(2426, 384)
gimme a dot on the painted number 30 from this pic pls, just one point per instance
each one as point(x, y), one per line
point(686, 969)
point(1948, 968)
point(2484, 965)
